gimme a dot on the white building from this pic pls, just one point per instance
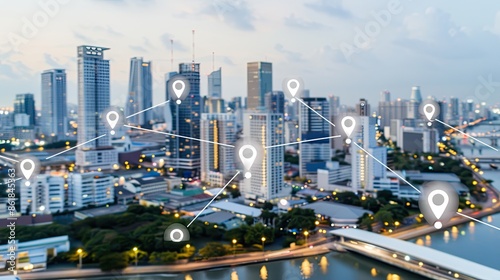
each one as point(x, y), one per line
point(92, 188)
point(364, 168)
point(217, 161)
point(333, 173)
point(418, 139)
point(45, 194)
point(93, 100)
point(266, 183)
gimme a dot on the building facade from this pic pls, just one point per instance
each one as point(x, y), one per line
point(54, 108)
point(140, 92)
point(259, 82)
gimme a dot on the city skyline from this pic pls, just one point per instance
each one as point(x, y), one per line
point(401, 43)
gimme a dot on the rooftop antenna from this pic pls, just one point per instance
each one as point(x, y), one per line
point(172, 54)
point(193, 45)
point(213, 61)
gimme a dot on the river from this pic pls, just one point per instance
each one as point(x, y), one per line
point(473, 241)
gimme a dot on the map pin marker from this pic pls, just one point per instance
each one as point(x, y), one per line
point(429, 111)
point(438, 210)
point(293, 86)
point(112, 118)
point(348, 127)
point(27, 167)
point(247, 162)
point(178, 91)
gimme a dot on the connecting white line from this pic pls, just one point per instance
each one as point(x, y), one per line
point(315, 111)
point(180, 136)
point(147, 109)
point(303, 141)
point(479, 221)
point(11, 159)
point(404, 180)
point(466, 135)
point(213, 198)
point(75, 146)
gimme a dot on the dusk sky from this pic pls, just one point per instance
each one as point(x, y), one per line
point(336, 47)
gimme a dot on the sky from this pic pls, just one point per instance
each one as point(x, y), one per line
point(353, 49)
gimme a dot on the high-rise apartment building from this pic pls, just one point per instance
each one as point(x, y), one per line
point(54, 107)
point(259, 82)
point(275, 102)
point(25, 104)
point(140, 92)
point(45, 194)
point(93, 99)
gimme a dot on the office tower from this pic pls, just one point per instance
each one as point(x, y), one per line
point(312, 126)
point(215, 84)
point(334, 102)
point(90, 189)
point(275, 102)
point(217, 161)
point(140, 92)
point(414, 104)
point(453, 116)
point(184, 154)
point(363, 108)
point(54, 109)
point(385, 96)
point(399, 109)
point(25, 104)
point(366, 170)
point(259, 82)
point(45, 195)
point(93, 100)
point(266, 183)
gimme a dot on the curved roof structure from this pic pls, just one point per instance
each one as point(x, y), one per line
point(425, 254)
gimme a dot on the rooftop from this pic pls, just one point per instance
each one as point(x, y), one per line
point(426, 254)
point(217, 217)
point(237, 208)
point(337, 211)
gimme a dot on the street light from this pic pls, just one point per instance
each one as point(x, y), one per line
point(135, 252)
point(306, 233)
point(80, 251)
point(234, 246)
point(263, 240)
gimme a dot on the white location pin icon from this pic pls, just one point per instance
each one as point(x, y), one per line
point(247, 161)
point(429, 110)
point(348, 128)
point(438, 210)
point(27, 167)
point(178, 91)
point(112, 118)
point(293, 86)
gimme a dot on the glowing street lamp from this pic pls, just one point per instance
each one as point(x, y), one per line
point(263, 241)
point(306, 233)
point(234, 246)
point(80, 252)
point(135, 252)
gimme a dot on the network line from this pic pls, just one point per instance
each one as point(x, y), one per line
point(458, 130)
point(303, 141)
point(159, 104)
point(479, 221)
point(404, 180)
point(7, 158)
point(213, 198)
point(180, 136)
point(76, 146)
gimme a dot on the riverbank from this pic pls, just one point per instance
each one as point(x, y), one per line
point(318, 247)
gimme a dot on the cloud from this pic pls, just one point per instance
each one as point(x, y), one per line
point(178, 46)
point(109, 31)
point(15, 70)
point(289, 55)
point(227, 60)
point(82, 37)
point(52, 62)
point(295, 22)
point(233, 12)
point(495, 29)
point(332, 8)
point(138, 49)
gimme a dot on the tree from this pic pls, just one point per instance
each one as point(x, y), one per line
point(268, 216)
point(385, 194)
point(298, 218)
point(249, 220)
point(268, 206)
point(213, 249)
point(348, 198)
point(254, 234)
point(113, 261)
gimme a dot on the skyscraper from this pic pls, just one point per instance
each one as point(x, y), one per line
point(140, 92)
point(215, 84)
point(259, 82)
point(312, 126)
point(25, 104)
point(217, 161)
point(54, 110)
point(184, 154)
point(384, 108)
point(275, 102)
point(93, 99)
point(414, 104)
point(365, 170)
point(363, 108)
point(266, 183)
